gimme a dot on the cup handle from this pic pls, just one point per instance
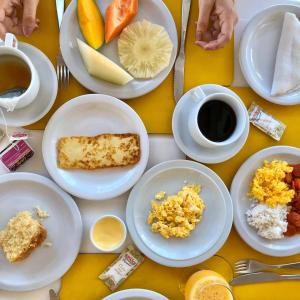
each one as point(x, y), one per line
point(10, 41)
point(198, 94)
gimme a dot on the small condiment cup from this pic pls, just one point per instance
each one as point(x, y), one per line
point(121, 242)
point(198, 99)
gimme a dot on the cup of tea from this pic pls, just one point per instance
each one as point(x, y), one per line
point(21, 83)
point(217, 119)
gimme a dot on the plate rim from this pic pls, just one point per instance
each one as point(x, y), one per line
point(87, 99)
point(39, 179)
point(258, 246)
point(71, 7)
point(135, 293)
point(210, 252)
point(244, 43)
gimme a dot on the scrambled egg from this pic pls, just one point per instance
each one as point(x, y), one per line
point(178, 214)
point(268, 184)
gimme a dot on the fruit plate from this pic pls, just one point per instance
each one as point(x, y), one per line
point(90, 115)
point(154, 11)
point(239, 190)
point(209, 235)
point(24, 191)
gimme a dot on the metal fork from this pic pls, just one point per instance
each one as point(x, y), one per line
point(62, 71)
point(251, 266)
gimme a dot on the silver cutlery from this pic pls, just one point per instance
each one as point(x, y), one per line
point(62, 71)
point(262, 277)
point(180, 61)
point(251, 266)
point(53, 295)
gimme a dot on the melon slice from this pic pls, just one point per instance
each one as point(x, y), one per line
point(101, 67)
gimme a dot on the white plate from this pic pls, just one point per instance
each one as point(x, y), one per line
point(209, 235)
point(135, 294)
point(258, 50)
point(184, 139)
point(46, 95)
point(24, 191)
point(154, 11)
point(90, 115)
point(241, 203)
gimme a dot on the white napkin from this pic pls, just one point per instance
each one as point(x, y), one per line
point(162, 148)
point(287, 66)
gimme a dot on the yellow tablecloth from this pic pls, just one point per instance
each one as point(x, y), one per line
point(156, 108)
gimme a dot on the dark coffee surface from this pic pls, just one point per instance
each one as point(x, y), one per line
point(216, 120)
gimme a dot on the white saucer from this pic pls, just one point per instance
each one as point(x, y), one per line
point(154, 11)
point(185, 141)
point(135, 294)
point(47, 93)
point(258, 50)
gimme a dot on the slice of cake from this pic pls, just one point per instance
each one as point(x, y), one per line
point(21, 236)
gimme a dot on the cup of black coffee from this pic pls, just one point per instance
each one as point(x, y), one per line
point(217, 119)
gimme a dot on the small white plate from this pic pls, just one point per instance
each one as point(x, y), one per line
point(135, 294)
point(241, 203)
point(46, 96)
point(24, 191)
point(90, 115)
point(258, 50)
point(184, 139)
point(208, 236)
point(154, 11)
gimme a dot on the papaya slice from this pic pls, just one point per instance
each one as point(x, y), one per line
point(118, 16)
point(91, 22)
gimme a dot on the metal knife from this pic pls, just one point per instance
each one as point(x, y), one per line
point(180, 61)
point(262, 277)
point(53, 295)
point(60, 7)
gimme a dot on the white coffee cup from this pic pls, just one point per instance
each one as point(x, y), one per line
point(10, 47)
point(199, 98)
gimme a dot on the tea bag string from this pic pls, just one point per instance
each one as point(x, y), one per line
point(5, 124)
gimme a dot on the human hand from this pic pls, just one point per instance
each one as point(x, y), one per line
point(18, 16)
point(216, 22)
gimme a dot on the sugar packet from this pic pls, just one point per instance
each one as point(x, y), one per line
point(266, 122)
point(122, 267)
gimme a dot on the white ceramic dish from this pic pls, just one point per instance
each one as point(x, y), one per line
point(208, 236)
point(135, 294)
point(24, 191)
point(90, 115)
point(154, 11)
point(239, 189)
point(184, 139)
point(113, 249)
point(46, 95)
point(258, 49)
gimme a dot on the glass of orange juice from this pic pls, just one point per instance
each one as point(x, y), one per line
point(208, 281)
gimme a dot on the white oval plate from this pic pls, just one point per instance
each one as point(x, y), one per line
point(184, 139)
point(24, 191)
point(241, 203)
point(154, 11)
point(208, 236)
point(91, 115)
point(135, 294)
point(46, 95)
point(258, 50)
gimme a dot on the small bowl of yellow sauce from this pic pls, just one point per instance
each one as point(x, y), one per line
point(108, 233)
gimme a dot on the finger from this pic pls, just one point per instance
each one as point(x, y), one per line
point(201, 44)
point(2, 31)
point(29, 16)
point(12, 27)
point(2, 14)
point(205, 9)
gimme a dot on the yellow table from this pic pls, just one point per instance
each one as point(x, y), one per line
point(81, 282)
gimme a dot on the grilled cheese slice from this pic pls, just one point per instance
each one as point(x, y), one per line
point(101, 151)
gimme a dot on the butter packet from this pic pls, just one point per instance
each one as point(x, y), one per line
point(266, 122)
point(122, 267)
